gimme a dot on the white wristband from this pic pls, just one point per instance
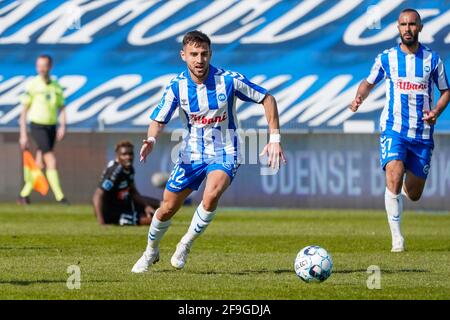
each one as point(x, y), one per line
point(275, 138)
point(151, 140)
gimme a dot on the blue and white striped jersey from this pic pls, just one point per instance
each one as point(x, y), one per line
point(208, 112)
point(410, 80)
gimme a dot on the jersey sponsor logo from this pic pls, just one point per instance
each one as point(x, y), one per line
point(406, 85)
point(107, 185)
point(123, 194)
point(123, 185)
point(205, 120)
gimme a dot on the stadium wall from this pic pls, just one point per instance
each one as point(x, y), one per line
point(323, 171)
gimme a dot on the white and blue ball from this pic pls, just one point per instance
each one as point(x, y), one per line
point(313, 264)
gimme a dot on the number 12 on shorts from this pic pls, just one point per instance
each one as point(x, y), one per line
point(178, 174)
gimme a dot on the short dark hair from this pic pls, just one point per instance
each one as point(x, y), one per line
point(412, 10)
point(196, 36)
point(123, 144)
point(46, 56)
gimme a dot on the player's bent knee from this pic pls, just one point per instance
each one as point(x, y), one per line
point(415, 196)
point(211, 196)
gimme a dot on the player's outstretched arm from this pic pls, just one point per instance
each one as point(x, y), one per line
point(97, 201)
point(431, 116)
point(154, 130)
point(362, 93)
point(273, 149)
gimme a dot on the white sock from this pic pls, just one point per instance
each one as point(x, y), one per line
point(156, 231)
point(394, 209)
point(200, 221)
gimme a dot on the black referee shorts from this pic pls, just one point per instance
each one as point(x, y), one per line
point(44, 136)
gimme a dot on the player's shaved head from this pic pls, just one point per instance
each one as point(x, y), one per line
point(196, 37)
point(410, 10)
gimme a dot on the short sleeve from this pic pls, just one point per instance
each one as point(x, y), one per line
point(166, 107)
point(110, 177)
point(440, 76)
point(377, 72)
point(247, 90)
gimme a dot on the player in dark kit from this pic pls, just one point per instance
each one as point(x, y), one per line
point(116, 199)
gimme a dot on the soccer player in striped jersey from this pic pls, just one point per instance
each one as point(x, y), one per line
point(205, 97)
point(411, 71)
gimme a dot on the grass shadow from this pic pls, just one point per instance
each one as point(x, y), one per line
point(26, 248)
point(234, 273)
point(347, 271)
point(47, 281)
point(283, 271)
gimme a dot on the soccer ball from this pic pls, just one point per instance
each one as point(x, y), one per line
point(159, 179)
point(313, 264)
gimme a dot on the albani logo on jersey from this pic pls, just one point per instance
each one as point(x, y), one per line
point(406, 85)
point(206, 120)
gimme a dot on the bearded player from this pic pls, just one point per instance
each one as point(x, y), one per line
point(410, 71)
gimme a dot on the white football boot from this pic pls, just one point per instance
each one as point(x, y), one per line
point(144, 262)
point(179, 258)
point(398, 244)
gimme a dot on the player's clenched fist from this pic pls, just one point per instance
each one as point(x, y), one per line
point(429, 117)
point(356, 103)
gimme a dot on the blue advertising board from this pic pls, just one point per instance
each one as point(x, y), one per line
point(114, 58)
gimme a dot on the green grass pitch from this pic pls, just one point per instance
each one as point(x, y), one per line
point(244, 254)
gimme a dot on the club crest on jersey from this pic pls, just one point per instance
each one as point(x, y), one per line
point(222, 97)
point(205, 120)
point(406, 85)
point(427, 69)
